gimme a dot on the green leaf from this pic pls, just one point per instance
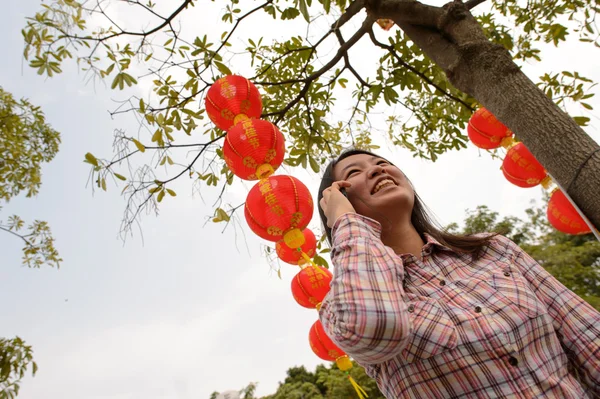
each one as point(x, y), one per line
point(120, 177)
point(160, 196)
point(139, 145)
point(581, 120)
point(222, 68)
point(289, 13)
point(89, 158)
point(314, 165)
point(171, 192)
point(304, 10)
point(221, 216)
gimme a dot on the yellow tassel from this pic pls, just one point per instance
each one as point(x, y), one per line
point(507, 142)
point(546, 182)
point(359, 391)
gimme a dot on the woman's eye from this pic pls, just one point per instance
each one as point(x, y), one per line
point(352, 172)
point(384, 163)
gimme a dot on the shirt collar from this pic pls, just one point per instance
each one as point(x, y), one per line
point(431, 243)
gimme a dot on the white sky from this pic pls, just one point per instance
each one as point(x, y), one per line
point(184, 313)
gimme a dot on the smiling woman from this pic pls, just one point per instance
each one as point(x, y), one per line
point(430, 314)
point(361, 172)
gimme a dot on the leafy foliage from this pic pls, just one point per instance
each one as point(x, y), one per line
point(325, 382)
point(15, 359)
point(306, 71)
point(26, 141)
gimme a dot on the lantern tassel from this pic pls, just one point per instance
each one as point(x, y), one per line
point(362, 394)
point(314, 265)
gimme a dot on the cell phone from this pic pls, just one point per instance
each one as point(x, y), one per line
point(343, 191)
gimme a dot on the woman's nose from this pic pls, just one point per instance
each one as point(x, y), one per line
point(375, 170)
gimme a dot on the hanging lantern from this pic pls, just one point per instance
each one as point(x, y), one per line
point(324, 348)
point(487, 132)
point(522, 169)
point(385, 24)
point(232, 99)
point(322, 345)
point(279, 207)
point(563, 216)
point(253, 149)
point(309, 287)
point(294, 256)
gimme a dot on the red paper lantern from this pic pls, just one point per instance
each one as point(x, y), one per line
point(487, 132)
point(309, 287)
point(294, 256)
point(521, 168)
point(322, 345)
point(385, 24)
point(279, 207)
point(563, 216)
point(253, 149)
point(232, 99)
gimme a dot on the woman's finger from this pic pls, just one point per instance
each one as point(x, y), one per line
point(323, 204)
point(340, 184)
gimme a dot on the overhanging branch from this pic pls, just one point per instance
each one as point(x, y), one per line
point(366, 25)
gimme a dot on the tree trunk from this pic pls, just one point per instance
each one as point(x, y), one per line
point(487, 72)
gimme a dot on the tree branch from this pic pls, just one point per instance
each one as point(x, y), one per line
point(473, 3)
point(16, 235)
point(366, 25)
point(414, 70)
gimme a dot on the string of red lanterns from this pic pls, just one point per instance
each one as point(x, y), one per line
point(522, 169)
point(278, 207)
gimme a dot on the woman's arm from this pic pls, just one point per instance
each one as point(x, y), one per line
point(576, 322)
point(364, 312)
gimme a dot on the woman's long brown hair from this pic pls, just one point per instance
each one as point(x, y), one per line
point(420, 218)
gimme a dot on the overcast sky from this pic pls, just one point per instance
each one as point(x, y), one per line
point(186, 311)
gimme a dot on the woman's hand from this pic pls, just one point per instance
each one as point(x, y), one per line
point(334, 203)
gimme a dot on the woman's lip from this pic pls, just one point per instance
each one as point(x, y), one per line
point(384, 187)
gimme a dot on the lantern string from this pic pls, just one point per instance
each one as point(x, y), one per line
point(314, 265)
point(362, 394)
point(585, 219)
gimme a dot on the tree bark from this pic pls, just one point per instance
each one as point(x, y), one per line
point(486, 71)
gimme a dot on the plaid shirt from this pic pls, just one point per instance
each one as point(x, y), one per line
point(447, 327)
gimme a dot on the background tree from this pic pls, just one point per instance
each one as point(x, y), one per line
point(573, 260)
point(325, 382)
point(15, 359)
point(26, 141)
point(433, 67)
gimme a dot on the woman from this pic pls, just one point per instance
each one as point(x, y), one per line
point(434, 315)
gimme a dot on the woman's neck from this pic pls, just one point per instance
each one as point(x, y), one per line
point(403, 238)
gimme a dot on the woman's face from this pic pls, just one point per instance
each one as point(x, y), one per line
point(379, 190)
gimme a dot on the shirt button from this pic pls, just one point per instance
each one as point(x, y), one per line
point(507, 274)
point(513, 361)
point(442, 283)
point(477, 309)
point(411, 308)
